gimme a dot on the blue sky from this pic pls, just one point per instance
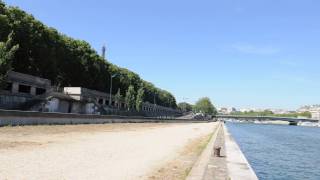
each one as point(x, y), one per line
point(242, 53)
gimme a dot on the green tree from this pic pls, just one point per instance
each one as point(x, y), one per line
point(118, 98)
point(305, 114)
point(204, 105)
point(185, 107)
point(270, 113)
point(130, 98)
point(6, 55)
point(139, 99)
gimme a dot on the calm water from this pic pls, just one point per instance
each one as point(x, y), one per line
point(280, 152)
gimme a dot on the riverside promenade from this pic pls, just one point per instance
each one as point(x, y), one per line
point(183, 150)
point(228, 163)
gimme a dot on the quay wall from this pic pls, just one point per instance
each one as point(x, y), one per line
point(16, 118)
point(230, 164)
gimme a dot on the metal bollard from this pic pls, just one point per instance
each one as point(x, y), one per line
point(217, 152)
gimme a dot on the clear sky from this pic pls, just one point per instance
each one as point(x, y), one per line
point(241, 53)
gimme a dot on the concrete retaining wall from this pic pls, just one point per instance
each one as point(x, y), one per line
point(16, 118)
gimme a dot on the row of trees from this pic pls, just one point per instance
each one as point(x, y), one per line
point(203, 105)
point(270, 113)
point(45, 52)
point(134, 100)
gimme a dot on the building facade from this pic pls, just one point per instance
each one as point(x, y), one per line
point(26, 92)
point(315, 114)
point(103, 99)
point(84, 94)
point(21, 88)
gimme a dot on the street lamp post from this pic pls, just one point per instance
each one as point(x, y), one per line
point(154, 103)
point(110, 96)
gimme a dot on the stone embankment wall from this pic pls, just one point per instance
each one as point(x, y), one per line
point(16, 118)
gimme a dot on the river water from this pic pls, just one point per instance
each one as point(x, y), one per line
point(280, 152)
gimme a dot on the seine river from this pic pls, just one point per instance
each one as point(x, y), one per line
point(279, 152)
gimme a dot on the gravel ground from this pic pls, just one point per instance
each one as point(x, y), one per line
point(111, 151)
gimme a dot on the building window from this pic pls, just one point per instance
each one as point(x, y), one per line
point(40, 91)
point(24, 89)
point(100, 101)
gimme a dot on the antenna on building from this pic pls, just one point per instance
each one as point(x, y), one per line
point(104, 52)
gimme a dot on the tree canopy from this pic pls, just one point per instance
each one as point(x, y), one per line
point(204, 105)
point(45, 52)
point(185, 107)
point(271, 114)
point(7, 51)
point(130, 98)
point(118, 98)
point(139, 99)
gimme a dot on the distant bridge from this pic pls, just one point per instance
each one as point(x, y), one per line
point(267, 118)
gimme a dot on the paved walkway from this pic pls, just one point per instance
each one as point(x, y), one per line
point(217, 167)
point(231, 164)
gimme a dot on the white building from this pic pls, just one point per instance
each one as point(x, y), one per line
point(281, 111)
point(315, 114)
point(308, 108)
point(313, 109)
point(225, 110)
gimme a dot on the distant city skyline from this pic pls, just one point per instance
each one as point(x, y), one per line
point(262, 54)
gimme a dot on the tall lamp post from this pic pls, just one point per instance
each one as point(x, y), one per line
point(110, 96)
